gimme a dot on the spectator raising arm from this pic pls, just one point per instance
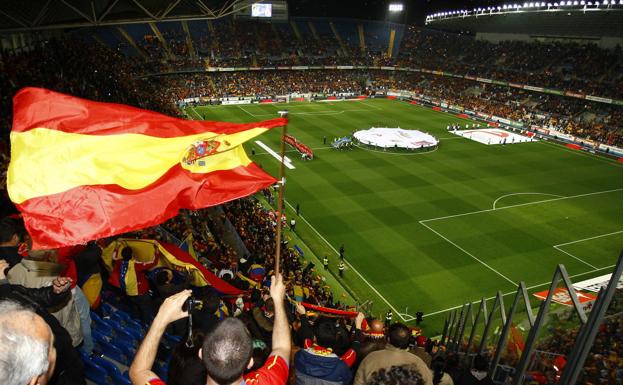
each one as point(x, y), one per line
point(281, 330)
point(171, 310)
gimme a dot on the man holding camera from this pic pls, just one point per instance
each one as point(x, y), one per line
point(226, 352)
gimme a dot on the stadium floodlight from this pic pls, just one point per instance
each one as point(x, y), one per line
point(612, 2)
point(396, 7)
point(605, 2)
point(575, 2)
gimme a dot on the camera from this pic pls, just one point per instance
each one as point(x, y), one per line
point(192, 304)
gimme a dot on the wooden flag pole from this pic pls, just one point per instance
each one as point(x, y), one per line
point(282, 182)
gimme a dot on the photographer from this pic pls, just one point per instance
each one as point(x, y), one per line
point(226, 351)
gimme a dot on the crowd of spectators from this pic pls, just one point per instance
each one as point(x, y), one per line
point(567, 66)
point(333, 350)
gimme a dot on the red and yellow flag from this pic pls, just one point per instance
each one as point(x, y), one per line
point(82, 170)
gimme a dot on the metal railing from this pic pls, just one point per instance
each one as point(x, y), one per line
point(466, 318)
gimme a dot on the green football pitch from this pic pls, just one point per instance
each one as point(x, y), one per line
point(431, 231)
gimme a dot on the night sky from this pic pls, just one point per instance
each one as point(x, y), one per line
point(416, 10)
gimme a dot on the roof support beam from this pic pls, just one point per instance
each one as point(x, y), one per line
point(145, 10)
point(169, 8)
point(111, 5)
point(15, 19)
point(79, 12)
point(42, 13)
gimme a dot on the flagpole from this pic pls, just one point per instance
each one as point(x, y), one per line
point(282, 181)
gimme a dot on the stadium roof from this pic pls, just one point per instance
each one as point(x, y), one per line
point(568, 23)
point(24, 15)
point(29, 15)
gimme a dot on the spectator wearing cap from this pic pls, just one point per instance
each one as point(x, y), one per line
point(395, 354)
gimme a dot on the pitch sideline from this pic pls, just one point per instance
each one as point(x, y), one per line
point(350, 266)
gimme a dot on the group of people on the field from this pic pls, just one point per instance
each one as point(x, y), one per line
point(343, 143)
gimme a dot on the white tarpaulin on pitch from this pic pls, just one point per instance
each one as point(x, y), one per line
point(395, 137)
point(594, 284)
point(493, 136)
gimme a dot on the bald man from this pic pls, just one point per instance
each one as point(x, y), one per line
point(27, 354)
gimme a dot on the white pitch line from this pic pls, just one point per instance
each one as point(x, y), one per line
point(524, 193)
point(293, 150)
point(196, 113)
point(588, 239)
point(522, 204)
point(513, 292)
point(559, 248)
point(574, 257)
point(469, 254)
point(249, 113)
point(369, 105)
point(348, 263)
point(286, 161)
point(582, 153)
point(319, 113)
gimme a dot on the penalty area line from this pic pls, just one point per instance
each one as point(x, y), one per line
point(559, 246)
point(469, 254)
point(349, 265)
point(522, 204)
point(514, 292)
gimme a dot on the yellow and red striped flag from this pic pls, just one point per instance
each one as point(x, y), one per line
point(82, 170)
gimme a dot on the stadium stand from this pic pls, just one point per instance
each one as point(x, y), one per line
point(155, 66)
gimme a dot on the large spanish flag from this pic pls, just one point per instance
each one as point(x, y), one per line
point(83, 170)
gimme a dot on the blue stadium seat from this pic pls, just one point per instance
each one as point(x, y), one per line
point(113, 352)
point(110, 367)
point(122, 334)
point(99, 336)
point(126, 347)
point(102, 326)
point(121, 380)
point(108, 309)
point(95, 373)
point(135, 333)
point(121, 315)
point(94, 316)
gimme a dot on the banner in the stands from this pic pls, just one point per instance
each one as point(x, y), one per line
point(327, 310)
point(562, 296)
point(170, 256)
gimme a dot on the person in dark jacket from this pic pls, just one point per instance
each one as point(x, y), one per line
point(317, 362)
point(11, 233)
point(477, 375)
point(69, 368)
point(186, 368)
